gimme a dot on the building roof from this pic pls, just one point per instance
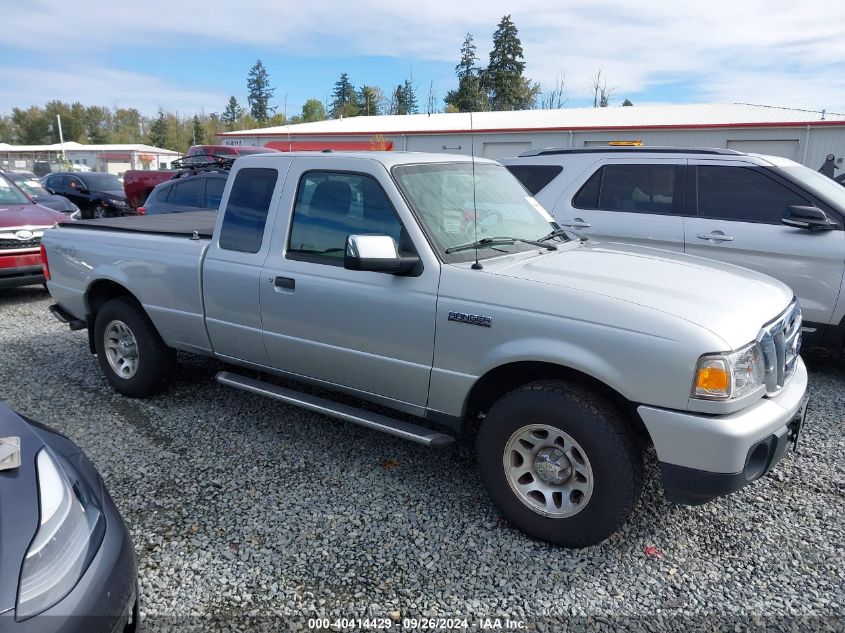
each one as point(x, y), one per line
point(631, 117)
point(73, 145)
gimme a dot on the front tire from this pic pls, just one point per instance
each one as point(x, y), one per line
point(131, 354)
point(560, 462)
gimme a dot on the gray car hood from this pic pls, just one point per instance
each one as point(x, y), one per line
point(732, 302)
point(18, 506)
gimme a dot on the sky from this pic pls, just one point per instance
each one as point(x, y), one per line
point(191, 57)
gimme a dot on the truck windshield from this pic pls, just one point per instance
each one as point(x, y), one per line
point(819, 184)
point(455, 211)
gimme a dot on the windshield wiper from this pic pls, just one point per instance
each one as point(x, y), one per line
point(491, 242)
point(563, 233)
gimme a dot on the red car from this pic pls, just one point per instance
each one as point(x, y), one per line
point(22, 222)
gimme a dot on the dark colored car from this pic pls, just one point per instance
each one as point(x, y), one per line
point(28, 181)
point(22, 223)
point(66, 558)
point(192, 192)
point(97, 194)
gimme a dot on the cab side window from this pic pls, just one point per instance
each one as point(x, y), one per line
point(647, 188)
point(330, 206)
point(246, 211)
point(742, 194)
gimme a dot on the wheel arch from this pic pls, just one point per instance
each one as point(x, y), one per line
point(98, 293)
point(509, 376)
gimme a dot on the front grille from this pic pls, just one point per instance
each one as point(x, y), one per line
point(781, 344)
point(8, 244)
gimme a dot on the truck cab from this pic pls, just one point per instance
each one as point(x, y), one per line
point(438, 297)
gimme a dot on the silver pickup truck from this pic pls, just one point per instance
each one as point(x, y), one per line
point(442, 298)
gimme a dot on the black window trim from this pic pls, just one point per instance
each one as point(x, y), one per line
point(773, 175)
point(683, 191)
point(533, 194)
point(322, 259)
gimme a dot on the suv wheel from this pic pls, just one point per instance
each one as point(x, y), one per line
point(131, 354)
point(560, 463)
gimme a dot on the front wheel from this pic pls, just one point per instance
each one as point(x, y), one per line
point(560, 463)
point(100, 212)
point(131, 354)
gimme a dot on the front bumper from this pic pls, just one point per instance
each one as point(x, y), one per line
point(20, 269)
point(105, 597)
point(702, 457)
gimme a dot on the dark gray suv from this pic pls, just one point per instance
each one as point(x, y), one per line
point(193, 192)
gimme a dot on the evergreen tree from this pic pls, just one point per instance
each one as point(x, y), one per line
point(232, 114)
point(158, 130)
point(409, 98)
point(397, 101)
point(507, 88)
point(198, 131)
point(627, 102)
point(313, 110)
point(468, 96)
point(259, 93)
point(370, 98)
point(345, 98)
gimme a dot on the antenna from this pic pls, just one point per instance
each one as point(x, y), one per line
point(476, 265)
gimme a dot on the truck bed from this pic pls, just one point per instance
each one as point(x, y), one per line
point(199, 222)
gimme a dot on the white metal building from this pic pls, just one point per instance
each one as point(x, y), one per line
point(803, 135)
point(114, 159)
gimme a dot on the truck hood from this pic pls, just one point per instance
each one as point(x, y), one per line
point(28, 215)
point(731, 302)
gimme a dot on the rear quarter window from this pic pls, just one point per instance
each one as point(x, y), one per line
point(535, 178)
point(247, 208)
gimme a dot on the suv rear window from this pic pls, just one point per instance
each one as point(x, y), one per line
point(535, 178)
point(246, 211)
point(630, 188)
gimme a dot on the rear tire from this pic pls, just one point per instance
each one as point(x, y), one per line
point(131, 354)
point(560, 462)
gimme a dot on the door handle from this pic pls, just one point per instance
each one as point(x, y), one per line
point(284, 283)
point(716, 237)
point(577, 223)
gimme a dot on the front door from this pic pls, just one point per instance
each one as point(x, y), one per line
point(369, 332)
point(738, 221)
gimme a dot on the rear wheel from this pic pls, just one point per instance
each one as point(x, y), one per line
point(131, 354)
point(560, 462)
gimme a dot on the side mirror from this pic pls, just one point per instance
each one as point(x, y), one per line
point(809, 218)
point(378, 254)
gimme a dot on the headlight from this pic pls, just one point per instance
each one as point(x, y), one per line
point(117, 203)
point(69, 534)
point(76, 215)
point(729, 376)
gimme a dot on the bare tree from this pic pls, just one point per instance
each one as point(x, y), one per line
point(601, 93)
point(556, 97)
point(431, 100)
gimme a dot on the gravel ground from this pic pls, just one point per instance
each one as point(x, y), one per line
point(242, 507)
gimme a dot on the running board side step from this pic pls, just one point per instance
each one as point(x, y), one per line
point(368, 419)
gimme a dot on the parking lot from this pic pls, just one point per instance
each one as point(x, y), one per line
point(240, 506)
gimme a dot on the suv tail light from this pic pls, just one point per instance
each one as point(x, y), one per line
point(44, 263)
point(141, 211)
